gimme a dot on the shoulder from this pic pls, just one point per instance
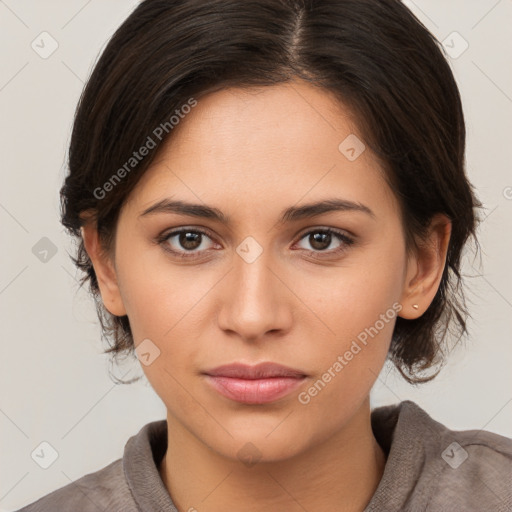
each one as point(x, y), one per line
point(475, 470)
point(128, 484)
point(105, 489)
point(431, 467)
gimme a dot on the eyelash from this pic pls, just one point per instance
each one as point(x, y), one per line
point(347, 241)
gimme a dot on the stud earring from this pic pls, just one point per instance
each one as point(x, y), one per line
point(415, 306)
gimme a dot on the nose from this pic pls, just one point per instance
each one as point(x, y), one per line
point(255, 300)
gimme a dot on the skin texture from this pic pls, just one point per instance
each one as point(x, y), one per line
point(252, 154)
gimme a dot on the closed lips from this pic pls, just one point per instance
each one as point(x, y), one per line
point(256, 385)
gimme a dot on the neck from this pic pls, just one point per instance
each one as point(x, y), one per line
point(340, 474)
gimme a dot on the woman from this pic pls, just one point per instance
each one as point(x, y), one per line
point(270, 200)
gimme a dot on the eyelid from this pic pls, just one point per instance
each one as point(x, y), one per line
point(337, 231)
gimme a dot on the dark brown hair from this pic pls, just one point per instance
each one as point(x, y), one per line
point(375, 56)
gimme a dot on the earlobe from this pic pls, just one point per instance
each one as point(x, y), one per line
point(425, 269)
point(105, 271)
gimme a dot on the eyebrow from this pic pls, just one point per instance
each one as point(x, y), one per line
point(291, 214)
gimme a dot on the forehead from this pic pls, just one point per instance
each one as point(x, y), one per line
point(264, 146)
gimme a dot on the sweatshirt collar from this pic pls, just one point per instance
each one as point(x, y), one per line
point(142, 456)
point(398, 429)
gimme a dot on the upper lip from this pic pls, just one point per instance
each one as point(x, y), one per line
point(259, 371)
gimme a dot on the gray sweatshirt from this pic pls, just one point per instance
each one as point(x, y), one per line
point(428, 468)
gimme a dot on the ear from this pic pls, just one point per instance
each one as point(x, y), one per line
point(425, 268)
point(104, 269)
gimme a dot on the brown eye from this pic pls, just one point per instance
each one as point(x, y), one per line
point(189, 240)
point(320, 240)
point(185, 242)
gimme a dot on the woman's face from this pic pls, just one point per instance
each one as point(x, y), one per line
point(258, 288)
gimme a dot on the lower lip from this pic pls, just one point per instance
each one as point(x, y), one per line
point(256, 391)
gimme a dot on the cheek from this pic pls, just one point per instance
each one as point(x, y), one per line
point(165, 305)
point(159, 296)
point(352, 296)
point(356, 307)
point(348, 363)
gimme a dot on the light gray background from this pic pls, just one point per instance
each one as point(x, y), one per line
point(54, 381)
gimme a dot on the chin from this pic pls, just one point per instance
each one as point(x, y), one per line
point(259, 444)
